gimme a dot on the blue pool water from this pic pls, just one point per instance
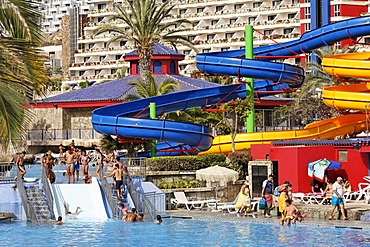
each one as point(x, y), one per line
point(178, 232)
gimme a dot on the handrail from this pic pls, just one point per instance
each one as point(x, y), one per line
point(5, 168)
point(108, 193)
point(47, 190)
point(149, 206)
point(27, 205)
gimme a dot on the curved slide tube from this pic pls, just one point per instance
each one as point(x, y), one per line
point(127, 119)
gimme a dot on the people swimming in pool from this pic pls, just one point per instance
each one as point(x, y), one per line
point(131, 217)
point(59, 221)
point(159, 219)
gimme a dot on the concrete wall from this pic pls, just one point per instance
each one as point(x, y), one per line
point(77, 118)
point(47, 118)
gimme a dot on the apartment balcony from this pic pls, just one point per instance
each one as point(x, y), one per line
point(110, 50)
point(95, 65)
point(101, 12)
point(97, 1)
point(89, 77)
point(196, 3)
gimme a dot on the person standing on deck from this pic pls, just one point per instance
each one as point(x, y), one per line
point(69, 157)
point(100, 165)
point(337, 198)
point(267, 191)
point(19, 162)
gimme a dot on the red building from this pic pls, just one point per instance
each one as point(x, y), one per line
point(292, 158)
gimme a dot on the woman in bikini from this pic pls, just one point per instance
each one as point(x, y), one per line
point(84, 162)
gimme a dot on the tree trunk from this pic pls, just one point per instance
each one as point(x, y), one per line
point(233, 134)
point(144, 62)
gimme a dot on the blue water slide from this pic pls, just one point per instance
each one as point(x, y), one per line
point(130, 119)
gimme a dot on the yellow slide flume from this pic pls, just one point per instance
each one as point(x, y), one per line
point(353, 97)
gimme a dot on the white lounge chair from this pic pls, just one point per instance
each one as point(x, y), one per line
point(180, 199)
point(222, 205)
point(364, 189)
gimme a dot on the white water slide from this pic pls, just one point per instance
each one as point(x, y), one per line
point(86, 196)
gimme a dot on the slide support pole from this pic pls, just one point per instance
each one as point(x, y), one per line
point(153, 115)
point(250, 81)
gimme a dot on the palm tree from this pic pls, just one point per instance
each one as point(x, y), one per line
point(148, 22)
point(22, 70)
point(150, 89)
point(316, 78)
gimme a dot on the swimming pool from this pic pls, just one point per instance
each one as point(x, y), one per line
point(178, 232)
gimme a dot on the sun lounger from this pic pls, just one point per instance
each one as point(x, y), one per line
point(180, 199)
point(364, 189)
point(219, 205)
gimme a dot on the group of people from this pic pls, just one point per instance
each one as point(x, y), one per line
point(132, 216)
point(288, 211)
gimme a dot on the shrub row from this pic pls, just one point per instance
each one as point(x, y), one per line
point(180, 163)
point(180, 184)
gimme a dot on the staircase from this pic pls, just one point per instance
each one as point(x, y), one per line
point(37, 199)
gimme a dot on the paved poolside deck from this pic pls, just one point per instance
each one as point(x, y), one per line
point(314, 212)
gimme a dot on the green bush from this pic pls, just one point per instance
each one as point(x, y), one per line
point(238, 161)
point(180, 163)
point(180, 184)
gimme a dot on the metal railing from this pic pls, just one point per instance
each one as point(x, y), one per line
point(107, 189)
point(8, 170)
point(135, 166)
point(47, 190)
point(154, 203)
point(27, 205)
point(61, 134)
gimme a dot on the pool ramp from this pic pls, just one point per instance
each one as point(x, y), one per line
point(88, 197)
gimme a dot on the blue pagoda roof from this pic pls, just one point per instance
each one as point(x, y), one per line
point(159, 49)
point(120, 88)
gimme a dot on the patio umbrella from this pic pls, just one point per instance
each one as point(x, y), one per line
point(217, 174)
point(317, 168)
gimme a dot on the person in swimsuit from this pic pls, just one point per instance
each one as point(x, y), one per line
point(288, 213)
point(69, 157)
point(87, 178)
point(85, 162)
point(19, 162)
point(59, 221)
point(131, 217)
point(158, 219)
point(77, 163)
point(284, 190)
point(267, 194)
point(100, 165)
point(117, 173)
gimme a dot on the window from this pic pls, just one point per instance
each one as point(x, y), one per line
point(211, 36)
point(91, 46)
point(173, 67)
point(101, 58)
point(342, 155)
point(113, 71)
point(288, 30)
point(238, 6)
point(81, 73)
point(200, 10)
point(268, 32)
point(291, 16)
point(276, 3)
point(307, 13)
point(229, 35)
point(97, 72)
point(102, 6)
point(86, 59)
point(337, 46)
point(122, 43)
point(367, 40)
point(336, 10)
point(257, 5)
point(242, 47)
point(307, 27)
point(186, 52)
point(118, 57)
point(138, 68)
point(271, 17)
point(225, 48)
point(182, 11)
point(157, 67)
point(232, 21)
point(100, 19)
point(219, 8)
point(214, 22)
point(206, 50)
point(297, 61)
point(251, 19)
point(191, 38)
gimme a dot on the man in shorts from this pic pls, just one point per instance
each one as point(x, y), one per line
point(117, 174)
point(267, 191)
point(19, 162)
point(70, 159)
point(337, 198)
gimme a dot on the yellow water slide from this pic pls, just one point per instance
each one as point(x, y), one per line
point(345, 97)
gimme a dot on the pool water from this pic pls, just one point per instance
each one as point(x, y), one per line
point(178, 232)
